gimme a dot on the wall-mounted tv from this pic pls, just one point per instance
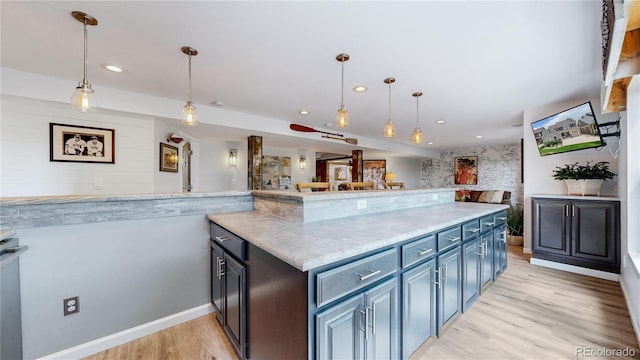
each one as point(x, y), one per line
point(572, 129)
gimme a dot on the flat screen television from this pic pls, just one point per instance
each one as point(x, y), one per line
point(569, 130)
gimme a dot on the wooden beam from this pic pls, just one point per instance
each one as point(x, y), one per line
point(634, 16)
point(618, 96)
point(629, 62)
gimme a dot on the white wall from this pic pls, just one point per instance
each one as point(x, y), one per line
point(498, 169)
point(297, 174)
point(408, 170)
point(126, 274)
point(24, 150)
point(629, 189)
point(538, 169)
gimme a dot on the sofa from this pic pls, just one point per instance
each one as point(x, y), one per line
point(484, 196)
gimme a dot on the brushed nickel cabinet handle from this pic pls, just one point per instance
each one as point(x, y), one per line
point(422, 252)
point(222, 238)
point(454, 238)
point(439, 278)
point(502, 218)
point(474, 230)
point(371, 274)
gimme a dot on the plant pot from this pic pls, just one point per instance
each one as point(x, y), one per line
point(516, 240)
point(583, 187)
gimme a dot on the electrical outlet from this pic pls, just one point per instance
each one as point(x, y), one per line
point(71, 305)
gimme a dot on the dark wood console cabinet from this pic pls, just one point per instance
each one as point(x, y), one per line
point(584, 233)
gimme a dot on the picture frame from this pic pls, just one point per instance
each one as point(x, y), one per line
point(168, 158)
point(84, 144)
point(465, 170)
point(374, 171)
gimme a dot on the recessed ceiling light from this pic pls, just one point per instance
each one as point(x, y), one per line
point(441, 121)
point(360, 88)
point(478, 136)
point(217, 103)
point(303, 112)
point(430, 143)
point(328, 125)
point(112, 68)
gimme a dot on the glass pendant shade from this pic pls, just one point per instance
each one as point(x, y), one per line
point(342, 119)
point(389, 129)
point(189, 114)
point(416, 137)
point(83, 98)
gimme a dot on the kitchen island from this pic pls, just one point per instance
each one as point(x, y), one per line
point(375, 285)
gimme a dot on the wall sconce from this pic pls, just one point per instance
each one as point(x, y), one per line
point(233, 157)
point(303, 162)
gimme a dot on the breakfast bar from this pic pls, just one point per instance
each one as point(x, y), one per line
point(358, 274)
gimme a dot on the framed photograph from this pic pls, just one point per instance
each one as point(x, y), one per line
point(465, 170)
point(168, 158)
point(85, 144)
point(374, 171)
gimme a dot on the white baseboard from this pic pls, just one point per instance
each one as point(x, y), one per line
point(575, 269)
point(635, 323)
point(125, 336)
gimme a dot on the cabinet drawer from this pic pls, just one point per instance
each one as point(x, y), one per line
point(486, 223)
point(420, 249)
point(470, 229)
point(335, 283)
point(230, 242)
point(449, 238)
point(500, 217)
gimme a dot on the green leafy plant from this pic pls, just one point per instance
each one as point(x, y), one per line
point(575, 171)
point(515, 220)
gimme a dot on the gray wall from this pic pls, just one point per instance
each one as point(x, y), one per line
point(126, 273)
point(498, 169)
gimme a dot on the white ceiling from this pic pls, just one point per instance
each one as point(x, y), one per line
point(478, 63)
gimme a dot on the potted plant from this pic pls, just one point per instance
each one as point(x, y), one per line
point(515, 225)
point(584, 179)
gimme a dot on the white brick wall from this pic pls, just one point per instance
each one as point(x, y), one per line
point(498, 169)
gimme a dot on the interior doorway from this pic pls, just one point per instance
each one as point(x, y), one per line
point(186, 167)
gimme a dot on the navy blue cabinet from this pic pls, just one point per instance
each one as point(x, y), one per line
point(486, 260)
point(499, 250)
point(361, 327)
point(418, 306)
point(471, 269)
point(449, 287)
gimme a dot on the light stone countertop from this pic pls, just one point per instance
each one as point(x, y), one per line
point(336, 195)
point(63, 199)
point(307, 246)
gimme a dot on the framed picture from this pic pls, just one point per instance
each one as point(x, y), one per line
point(85, 144)
point(374, 171)
point(168, 158)
point(276, 172)
point(465, 170)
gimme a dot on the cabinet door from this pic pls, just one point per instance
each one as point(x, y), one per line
point(500, 250)
point(471, 253)
point(594, 226)
point(551, 230)
point(486, 241)
point(382, 336)
point(235, 304)
point(217, 280)
point(340, 331)
point(449, 286)
point(418, 307)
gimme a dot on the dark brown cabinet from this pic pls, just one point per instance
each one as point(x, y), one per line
point(577, 232)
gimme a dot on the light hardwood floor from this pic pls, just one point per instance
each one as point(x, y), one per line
point(530, 312)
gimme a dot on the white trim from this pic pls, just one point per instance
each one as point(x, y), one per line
point(575, 269)
point(119, 338)
point(635, 261)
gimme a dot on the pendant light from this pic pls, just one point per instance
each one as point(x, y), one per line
point(83, 97)
point(342, 119)
point(389, 127)
point(189, 110)
point(416, 137)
